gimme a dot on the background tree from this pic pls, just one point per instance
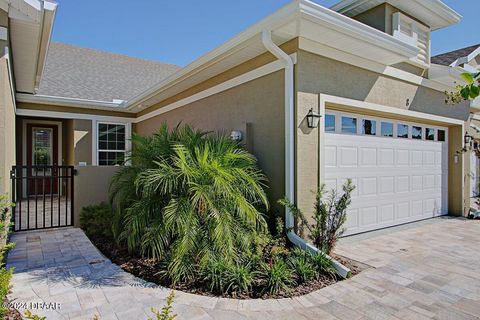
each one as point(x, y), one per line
point(467, 92)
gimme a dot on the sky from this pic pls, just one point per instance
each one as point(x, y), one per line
point(178, 32)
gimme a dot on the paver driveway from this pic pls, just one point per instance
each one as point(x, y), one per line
point(429, 270)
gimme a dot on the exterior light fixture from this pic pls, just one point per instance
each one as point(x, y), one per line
point(468, 139)
point(236, 136)
point(313, 119)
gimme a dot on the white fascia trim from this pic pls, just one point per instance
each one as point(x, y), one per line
point(392, 111)
point(467, 59)
point(71, 115)
point(441, 9)
point(3, 33)
point(329, 52)
point(323, 16)
point(281, 17)
point(295, 11)
point(68, 102)
point(244, 78)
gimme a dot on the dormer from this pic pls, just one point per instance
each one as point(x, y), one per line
point(411, 21)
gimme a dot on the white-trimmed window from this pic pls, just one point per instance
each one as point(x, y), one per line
point(414, 33)
point(111, 143)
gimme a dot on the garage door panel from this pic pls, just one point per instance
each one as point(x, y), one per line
point(403, 158)
point(397, 180)
point(368, 216)
point(387, 185)
point(348, 157)
point(368, 157)
point(387, 213)
point(386, 157)
point(331, 156)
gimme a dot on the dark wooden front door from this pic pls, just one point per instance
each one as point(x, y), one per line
point(42, 151)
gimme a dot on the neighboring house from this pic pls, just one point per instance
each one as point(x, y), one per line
point(364, 66)
point(468, 60)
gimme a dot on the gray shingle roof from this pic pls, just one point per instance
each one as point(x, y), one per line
point(75, 72)
point(448, 58)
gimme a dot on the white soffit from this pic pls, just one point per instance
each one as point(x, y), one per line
point(301, 18)
point(31, 23)
point(433, 13)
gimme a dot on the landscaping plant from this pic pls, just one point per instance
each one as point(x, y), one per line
point(5, 274)
point(195, 197)
point(277, 276)
point(329, 216)
point(301, 262)
point(166, 312)
point(96, 220)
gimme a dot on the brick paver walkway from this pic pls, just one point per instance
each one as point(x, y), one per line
point(428, 271)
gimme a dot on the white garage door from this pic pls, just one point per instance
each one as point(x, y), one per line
point(400, 169)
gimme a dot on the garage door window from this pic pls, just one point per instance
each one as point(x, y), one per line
point(430, 134)
point(387, 129)
point(349, 125)
point(441, 135)
point(402, 131)
point(356, 124)
point(369, 127)
point(329, 123)
point(417, 132)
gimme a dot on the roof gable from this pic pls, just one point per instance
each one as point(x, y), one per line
point(451, 57)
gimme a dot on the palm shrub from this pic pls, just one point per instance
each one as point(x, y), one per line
point(189, 197)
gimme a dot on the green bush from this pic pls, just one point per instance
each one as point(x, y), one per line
point(323, 264)
point(5, 277)
point(189, 197)
point(302, 264)
point(329, 216)
point(240, 278)
point(215, 274)
point(97, 220)
point(277, 276)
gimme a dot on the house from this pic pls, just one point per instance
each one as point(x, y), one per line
point(364, 66)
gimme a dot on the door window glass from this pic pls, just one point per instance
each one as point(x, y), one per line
point(387, 129)
point(430, 134)
point(349, 125)
point(402, 131)
point(417, 132)
point(42, 147)
point(369, 127)
point(441, 135)
point(329, 123)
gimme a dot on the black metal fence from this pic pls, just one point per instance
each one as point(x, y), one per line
point(43, 196)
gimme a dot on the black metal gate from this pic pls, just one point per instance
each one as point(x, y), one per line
point(43, 197)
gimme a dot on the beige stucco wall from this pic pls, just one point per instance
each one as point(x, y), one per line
point(375, 17)
point(319, 75)
point(256, 108)
point(82, 141)
point(7, 127)
point(91, 186)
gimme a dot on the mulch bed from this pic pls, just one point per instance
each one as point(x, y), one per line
point(12, 314)
point(150, 270)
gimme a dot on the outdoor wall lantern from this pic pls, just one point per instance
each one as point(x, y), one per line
point(236, 136)
point(468, 139)
point(313, 119)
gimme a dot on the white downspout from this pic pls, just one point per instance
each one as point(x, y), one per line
point(290, 147)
